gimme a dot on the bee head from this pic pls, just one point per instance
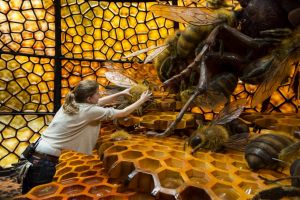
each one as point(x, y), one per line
point(197, 139)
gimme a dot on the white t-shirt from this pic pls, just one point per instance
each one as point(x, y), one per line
point(78, 132)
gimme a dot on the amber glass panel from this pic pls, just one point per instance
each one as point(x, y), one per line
point(27, 26)
point(16, 132)
point(26, 84)
point(109, 30)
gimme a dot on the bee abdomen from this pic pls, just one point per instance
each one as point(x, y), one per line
point(224, 82)
point(261, 151)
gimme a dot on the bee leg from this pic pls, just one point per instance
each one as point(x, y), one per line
point(201, 88)
point(278, 193)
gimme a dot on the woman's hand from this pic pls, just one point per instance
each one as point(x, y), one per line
point(126, 92)
point(145, 96)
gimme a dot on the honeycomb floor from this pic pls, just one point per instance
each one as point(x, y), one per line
point(151, 168)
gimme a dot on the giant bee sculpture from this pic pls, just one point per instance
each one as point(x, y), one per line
point(261, 52)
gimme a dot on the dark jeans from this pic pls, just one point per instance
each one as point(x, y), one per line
point(41, 172)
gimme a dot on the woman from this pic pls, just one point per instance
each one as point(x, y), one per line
point(76, 127)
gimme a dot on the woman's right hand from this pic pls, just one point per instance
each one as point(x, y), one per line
point(145, 96)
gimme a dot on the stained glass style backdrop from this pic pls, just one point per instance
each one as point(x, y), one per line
point(48, 46)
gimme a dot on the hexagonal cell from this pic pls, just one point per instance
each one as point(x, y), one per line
point(170, 179)
point(68, 175)
point(149, 164)
point(81, 168)
point(132, 154)
point(160, 124)
point(249, 188)
point(93, 180)
point(217, 156)
point(223, 176)
point(197, 164)
point(245, 175)
point(44, 190)
point(197, 177)
point(171, 162)
point(76, 162)
point(73, 189)
point(101, 190)
point(108, 161)
point(139, 147)
point(179, 154)
point(160, 147)
point(240, 165)
point(220, 165)
point(88, 173)
point(156, 154)
point(225, 192)
point(194, 193)
point(141, 182)
point(116, 149)
point(69, 181)
point(238, 157)
point(120, 170)
point(80, 197)
point(103, 147)
point(62, 171)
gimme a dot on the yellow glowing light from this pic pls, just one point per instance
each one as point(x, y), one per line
point(4, 7)
point(24, 97)
point(31, 26)
point(24, 134)
point(15, 16)
point(23, 82)
point(6, 75)
point(98, 12)
point(77, 39)
point(108, 15)
point(13, 87)
point(34, 79)
point(40, 13)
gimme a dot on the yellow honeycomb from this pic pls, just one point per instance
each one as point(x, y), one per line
point(275, 121)
point(159, 120)
point(151, 168)
point(81, 177)
point(161, 167)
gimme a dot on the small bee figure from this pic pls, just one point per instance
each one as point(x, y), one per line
point(224, 131)
point(136, 89)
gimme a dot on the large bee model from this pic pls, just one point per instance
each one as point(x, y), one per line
point(280, 192)
point(252, 59)
point(224, 131)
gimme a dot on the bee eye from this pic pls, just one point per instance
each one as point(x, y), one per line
point(195, 141)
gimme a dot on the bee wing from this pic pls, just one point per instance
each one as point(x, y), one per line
point(155, 53)
point(290, 153)
point(276, 74)
point(119, 79)
point(191, 15)
point(144, 50)
point(238, 141)
point(230, 112)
